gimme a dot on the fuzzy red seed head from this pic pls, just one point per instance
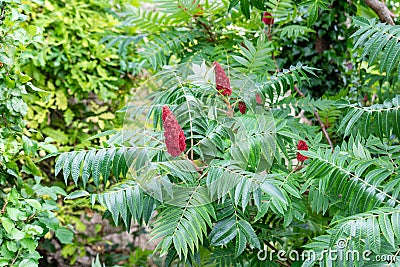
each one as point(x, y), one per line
point(301, 145)
point(242, 107)
point(175, 139)
point(267, 18)
point(182, 141)
point(222, 80)
point(165, 113)
point(258, 99)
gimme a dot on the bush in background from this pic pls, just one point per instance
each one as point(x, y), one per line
point(84, 84)
point(27, 209)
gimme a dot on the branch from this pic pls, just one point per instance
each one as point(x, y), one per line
point(381, 9)
point(30, 217)
point(323, 129)
point(319, 121)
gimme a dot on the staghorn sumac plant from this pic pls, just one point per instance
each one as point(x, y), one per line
point(200, 147)
point(219, 165)
point(215, 161)
point(220, 177)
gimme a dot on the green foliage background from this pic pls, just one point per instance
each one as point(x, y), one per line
point(67, 67)
point(27, 207)
point(84, 84)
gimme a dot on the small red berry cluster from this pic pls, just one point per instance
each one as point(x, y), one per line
point(301, 145)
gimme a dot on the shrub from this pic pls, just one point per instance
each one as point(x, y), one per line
point(26, 212)
point(83, 82)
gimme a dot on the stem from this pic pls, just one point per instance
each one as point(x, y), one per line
point(319, 121)
point(198, 169)
point(298, 91)
point(30, 217)
point(272, 247)
point(5, 121)
point(3, 209)
point(230, 108)
point(269, 35)
point(16, 257)
point(298, 167)
point(323, 129)
point(213, 38)
point(3, 10)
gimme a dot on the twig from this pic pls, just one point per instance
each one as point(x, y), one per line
point(230, 110)
point(319, 121)
point(272, 247)
point(213, 38)
point(16, 257)
point(30, 217)
point(382, 10)
point(5, 120)
point(323, 129)
point(298, 167)
point(198, 168)
point(298, 91)
point(3, 209)
point(269, 35)
point(3, 10)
